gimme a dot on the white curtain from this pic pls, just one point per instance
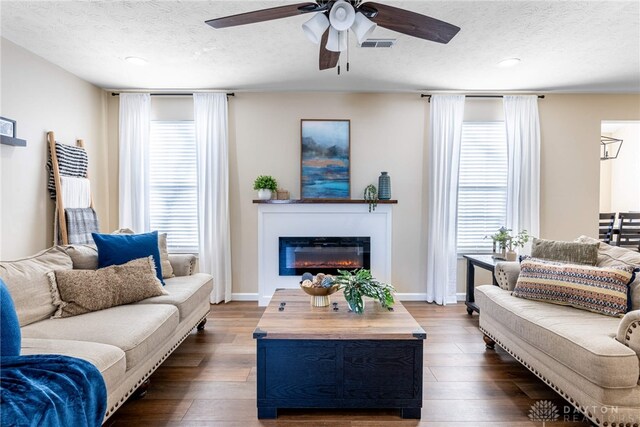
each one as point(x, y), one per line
point(446, 117)
point(523, 143)
point(210, 114)
point(135, 114)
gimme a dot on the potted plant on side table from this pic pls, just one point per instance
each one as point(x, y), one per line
point(517, 241)
point(266, 185)
point(507, 243)
point(358, 283)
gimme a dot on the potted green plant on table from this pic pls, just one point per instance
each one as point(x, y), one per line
point(507, 243)
point(266, 185)
point(358, 283)
point(517, 241)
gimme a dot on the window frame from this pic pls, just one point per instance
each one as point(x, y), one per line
point(494, 185)
point(189, 177)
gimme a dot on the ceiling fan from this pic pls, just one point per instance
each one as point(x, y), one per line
point(333, 19)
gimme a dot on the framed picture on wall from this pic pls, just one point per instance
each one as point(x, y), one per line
point(7, 127)
point(325, 168)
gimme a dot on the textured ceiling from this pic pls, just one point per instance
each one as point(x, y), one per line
point(575, 46)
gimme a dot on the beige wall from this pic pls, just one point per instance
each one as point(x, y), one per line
point(388, 132)
point(42, 97)
point(570, 159)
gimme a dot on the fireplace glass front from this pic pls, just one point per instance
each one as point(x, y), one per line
point(327, 255)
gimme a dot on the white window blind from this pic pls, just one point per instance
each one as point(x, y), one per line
point(173, 191)
point(482, 187)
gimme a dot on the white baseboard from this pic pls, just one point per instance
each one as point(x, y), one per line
point(460, 296)
point(244, 296)
point(411, 296)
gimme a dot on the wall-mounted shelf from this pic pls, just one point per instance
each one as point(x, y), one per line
point(325, 201)
point(17, 142)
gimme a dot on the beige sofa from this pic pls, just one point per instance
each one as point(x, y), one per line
point(592, 360)
point(126, 343)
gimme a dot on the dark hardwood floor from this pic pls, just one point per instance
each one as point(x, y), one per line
point(210, 380)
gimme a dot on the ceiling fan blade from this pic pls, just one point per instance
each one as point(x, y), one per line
point(265, 15)
point(411, 23)
point(328, 59)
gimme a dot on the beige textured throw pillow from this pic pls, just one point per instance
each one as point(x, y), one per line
point(569, 252)
point(28, 284)
point(84, 257)
point(82, 291)
point(167, 269)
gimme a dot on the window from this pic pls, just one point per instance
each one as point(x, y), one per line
point(482, 185)
point(173, 184)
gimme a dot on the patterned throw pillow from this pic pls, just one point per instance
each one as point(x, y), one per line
point(599, 289)
point(82, 291)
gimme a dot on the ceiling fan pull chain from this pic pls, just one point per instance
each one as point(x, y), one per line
point(339, 57)
point(347, 51)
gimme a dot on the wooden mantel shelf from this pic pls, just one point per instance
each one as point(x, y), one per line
point(324, 201)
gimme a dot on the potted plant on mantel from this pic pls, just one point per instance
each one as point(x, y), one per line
point(266, 185)
point(358, 283)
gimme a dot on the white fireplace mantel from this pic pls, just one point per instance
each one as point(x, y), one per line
point(320, 220)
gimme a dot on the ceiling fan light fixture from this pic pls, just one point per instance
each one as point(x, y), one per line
point(315, 27)
point(337, 40)
point(509, 62)
point(342, 15)
point(362, 27)
point(136, 60)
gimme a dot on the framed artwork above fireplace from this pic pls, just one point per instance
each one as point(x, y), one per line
point(325, 169)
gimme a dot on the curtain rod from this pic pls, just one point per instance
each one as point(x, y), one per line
point(170, 94)
point(422, 95)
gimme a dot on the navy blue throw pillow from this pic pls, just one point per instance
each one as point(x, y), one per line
point(116, 249)
point(10, 336)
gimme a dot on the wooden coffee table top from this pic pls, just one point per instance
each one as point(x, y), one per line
point(300, 320)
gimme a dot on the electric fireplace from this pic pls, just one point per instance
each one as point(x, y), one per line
point(327, 255)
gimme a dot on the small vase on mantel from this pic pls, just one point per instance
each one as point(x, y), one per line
point(384, 186)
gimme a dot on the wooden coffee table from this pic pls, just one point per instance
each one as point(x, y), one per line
point(318, 357)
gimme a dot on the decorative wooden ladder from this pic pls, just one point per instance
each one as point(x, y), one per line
point(62, 223)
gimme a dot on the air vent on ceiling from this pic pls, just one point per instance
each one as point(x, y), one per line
point(378, 43)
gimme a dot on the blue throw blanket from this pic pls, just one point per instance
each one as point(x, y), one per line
point(49, 390)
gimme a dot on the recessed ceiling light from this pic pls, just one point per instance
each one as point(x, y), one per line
point(509, 62)
point(136, 60)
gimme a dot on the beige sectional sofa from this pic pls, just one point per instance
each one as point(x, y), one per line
point(126, 343)
point(592, 360)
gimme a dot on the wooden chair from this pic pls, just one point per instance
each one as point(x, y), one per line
point(629, 236)
point(605, 226)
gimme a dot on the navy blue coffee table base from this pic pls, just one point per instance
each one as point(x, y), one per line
point(300, 373)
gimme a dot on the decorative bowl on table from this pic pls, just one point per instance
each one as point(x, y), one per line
point(319, 294)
